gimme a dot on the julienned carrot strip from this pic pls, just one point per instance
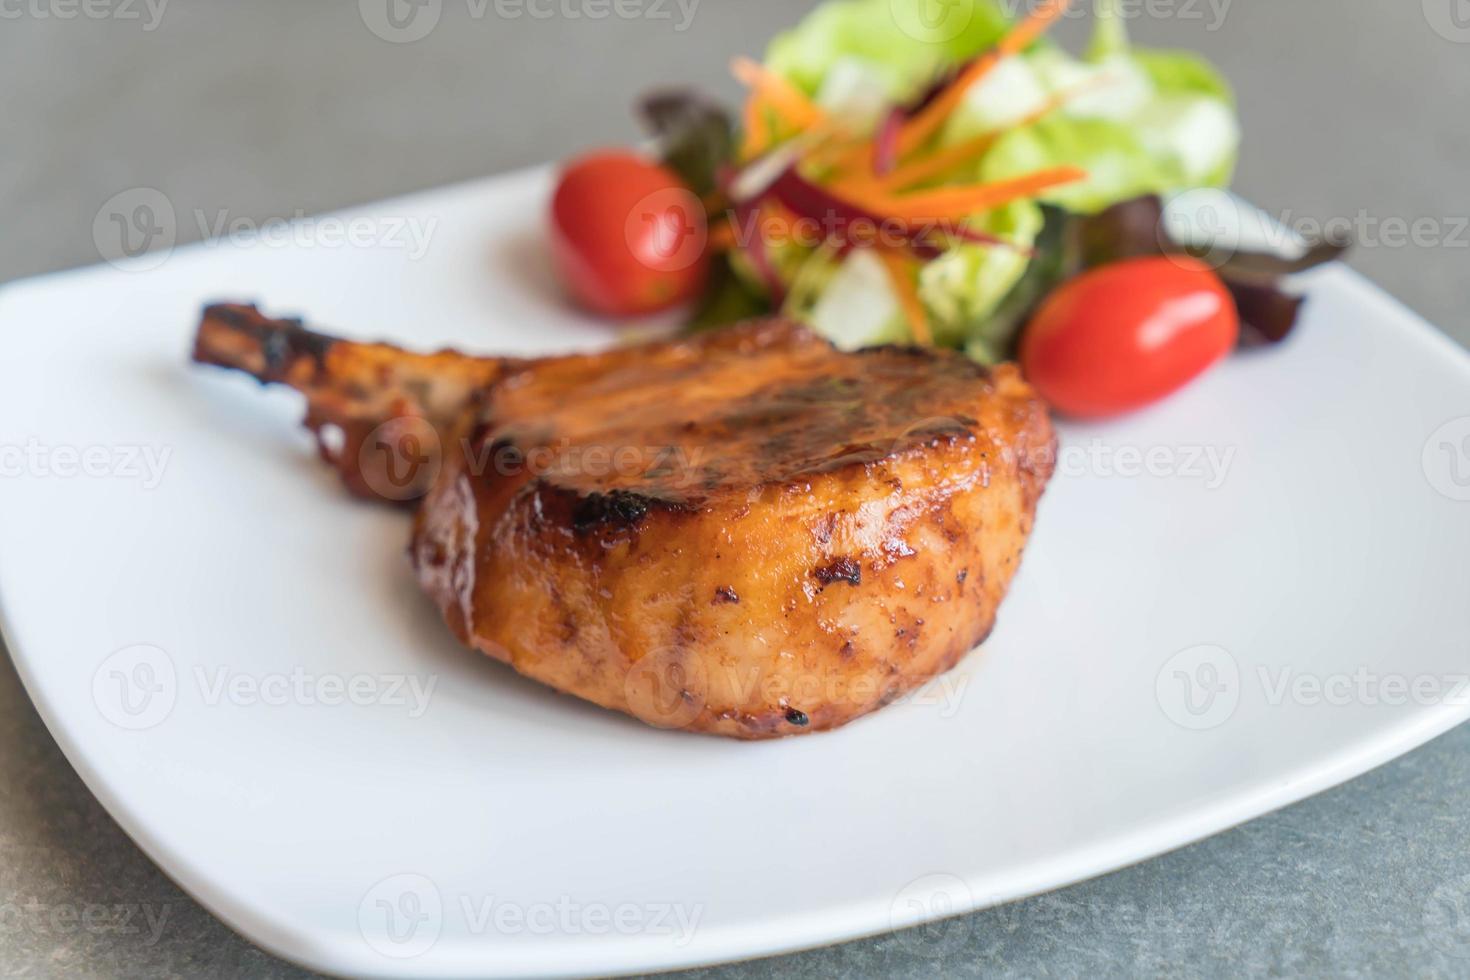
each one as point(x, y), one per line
point(900, 275)
point(956, 203)
point(927, 122)
point(942, 161)
point(947, 159)
point(919, 171)
point(1021, 37)
point(756, 129)
point(785, 99)
point(929, 119)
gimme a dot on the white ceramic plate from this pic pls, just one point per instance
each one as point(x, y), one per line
point(1295, 522)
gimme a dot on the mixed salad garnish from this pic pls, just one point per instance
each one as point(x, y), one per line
point(977, 188)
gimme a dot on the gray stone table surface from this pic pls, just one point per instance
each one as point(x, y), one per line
point(1354, 110)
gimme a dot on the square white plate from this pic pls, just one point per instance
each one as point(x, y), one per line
point(225, 645)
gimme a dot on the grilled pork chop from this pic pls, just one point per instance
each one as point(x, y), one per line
point(748, 533)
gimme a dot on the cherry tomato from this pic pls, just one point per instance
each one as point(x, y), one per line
point(628, 237)
point(1123, 335)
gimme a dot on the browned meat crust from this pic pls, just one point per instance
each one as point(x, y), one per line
point(747, 533)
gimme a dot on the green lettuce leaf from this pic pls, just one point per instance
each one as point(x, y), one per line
point(961, 287)
point(1184, 73)
point(908, 42)
point(1117, 164)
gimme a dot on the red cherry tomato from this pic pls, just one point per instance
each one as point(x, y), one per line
point(1123, 335)
point(628, 237)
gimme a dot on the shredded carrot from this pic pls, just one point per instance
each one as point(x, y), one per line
point(833, 147)
point(786, 100)
point(756, 129)
point(958, 202)
point(943, 161)
point(928, 121)
point(900, 273)
point(919, 171)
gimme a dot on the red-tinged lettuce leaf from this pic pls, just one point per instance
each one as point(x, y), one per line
point(697, 141)
point(695, 135)
point(1259, 281)
point(885, 143)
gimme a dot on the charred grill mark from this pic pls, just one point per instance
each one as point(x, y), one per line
point(281, 341)
point(842, 570)
point(621, 512)
point(618, 509)
point(786, 455)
